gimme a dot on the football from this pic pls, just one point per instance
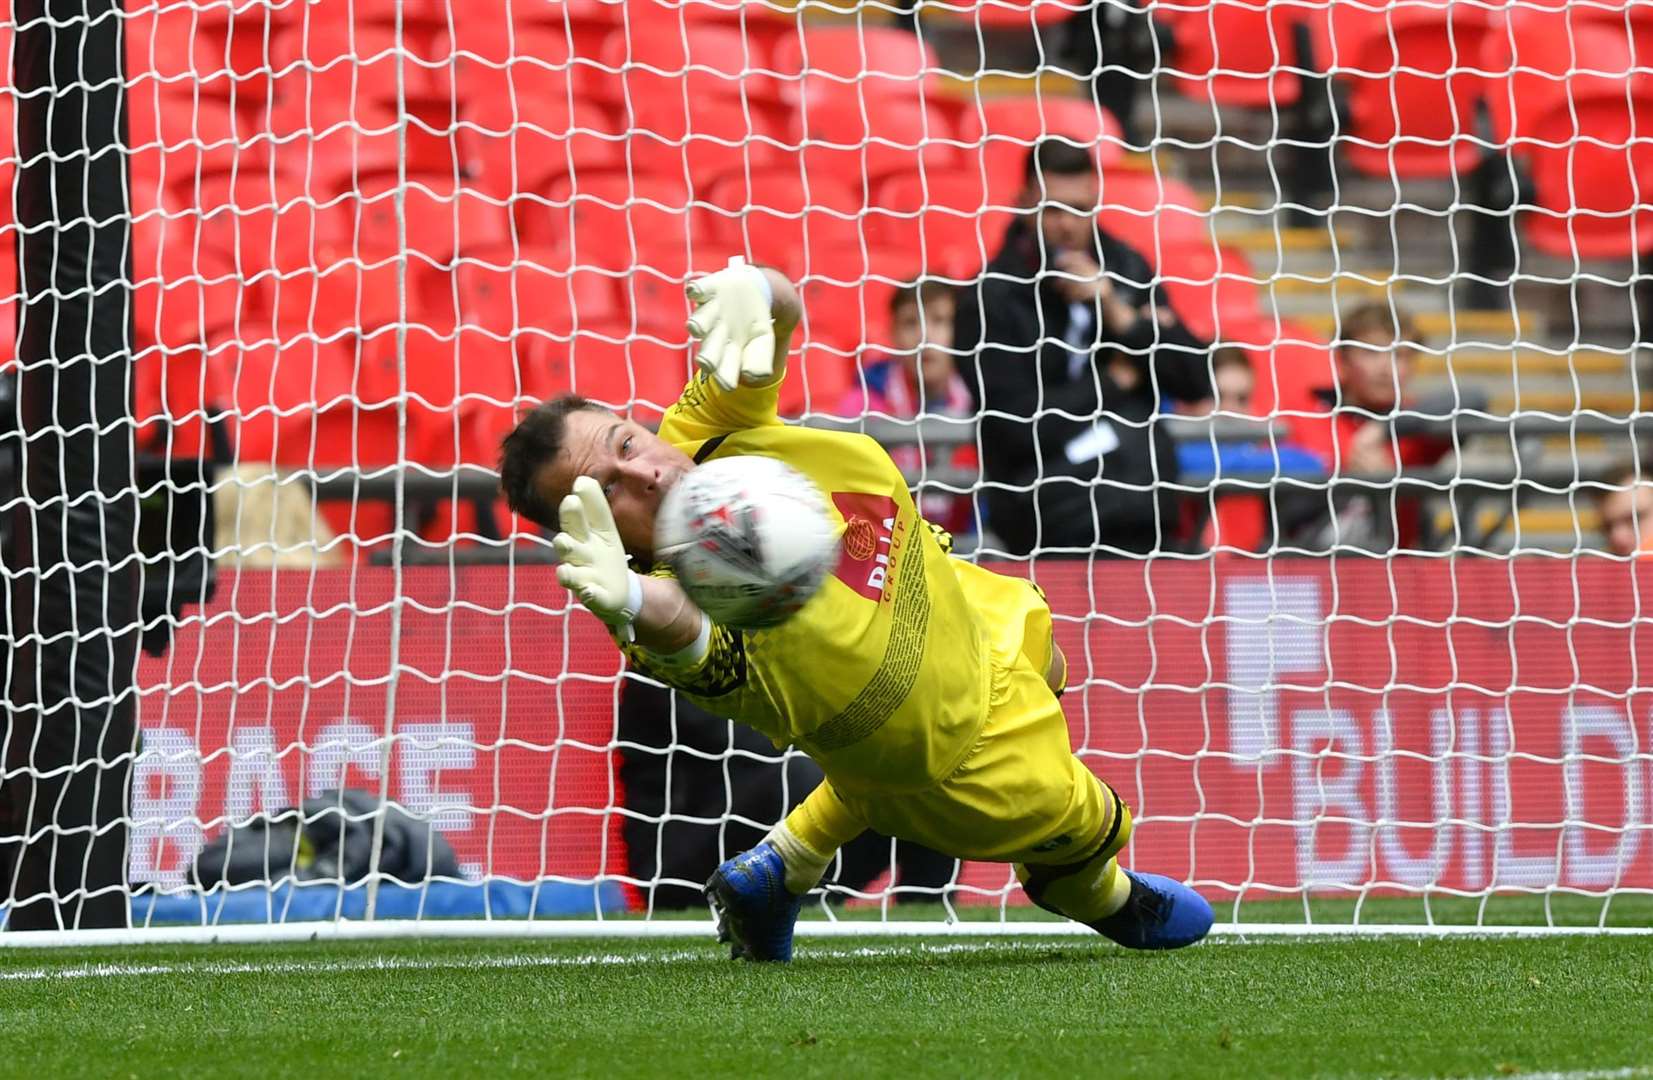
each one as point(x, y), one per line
point(750, 539)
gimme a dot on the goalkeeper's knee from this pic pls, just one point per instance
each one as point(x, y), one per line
point(1088, 889)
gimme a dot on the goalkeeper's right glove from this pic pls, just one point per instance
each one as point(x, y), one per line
point(593, 564)
point(735, 325)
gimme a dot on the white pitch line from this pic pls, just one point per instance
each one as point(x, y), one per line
point(399, 963)
point(617, 929)
point(1632, 1072)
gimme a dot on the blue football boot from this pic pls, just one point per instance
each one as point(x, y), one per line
point(1159, 914)
point(755, 911)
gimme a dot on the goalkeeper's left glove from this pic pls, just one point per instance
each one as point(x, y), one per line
point(593, 562)
point(735, 325)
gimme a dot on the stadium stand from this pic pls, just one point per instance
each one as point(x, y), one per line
point(605, 152)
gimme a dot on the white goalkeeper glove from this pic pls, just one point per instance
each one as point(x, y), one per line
point(593, 563)
point(734, 324)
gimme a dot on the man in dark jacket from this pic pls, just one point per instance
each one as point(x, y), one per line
point(1070, 345)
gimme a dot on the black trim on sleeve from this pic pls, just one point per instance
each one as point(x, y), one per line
point(708, 448)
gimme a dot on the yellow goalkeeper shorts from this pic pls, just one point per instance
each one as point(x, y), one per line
point(1020, 795)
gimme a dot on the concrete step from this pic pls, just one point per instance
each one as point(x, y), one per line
point(1453, 325)
point(1485, 455)
point(1355, 260)
point(1550, 526)
point(1566, 402)
point(1529, 381)
point(1494, 363)
point(1049, 81)
point(1269, 239)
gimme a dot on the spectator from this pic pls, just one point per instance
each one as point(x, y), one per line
point(1072, 345)
point(1232, 519)
point(1374, 367)
point(718, 785)
point(918, 377)
point(1626, 508)
point(1232, 381)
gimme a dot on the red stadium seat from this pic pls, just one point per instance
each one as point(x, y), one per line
point(881, 61)
point(1013, 125)
point(377, 140)
point(1592, 171)
point(851, 313)
point(691, 62)
point(490, 27)
point(776, 215)
point(1412, 72)
point(176, 133)
point(1295, 363)
point(1540, 56)
point(172, 400)
point(1006, 15)
point(703, 142)
point(272, 390)
point(253, 220)
point(819, 377)
point(853, 134)
point(1569, 101)
point(336, 68)
point(948, 220)
point(508, 289)
point(1236, 52)
point(765, 25)
point(1215, 292)
point(180, 298)
point(602, 220)
point(338, 297)
point(1158, 215)
point(542, 60)
point(608, 364)
point(528, 145)
point(215, 52)
point(435, 369)
point(657, 302)
point(436, 218)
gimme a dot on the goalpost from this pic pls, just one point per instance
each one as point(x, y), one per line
point(267, 346)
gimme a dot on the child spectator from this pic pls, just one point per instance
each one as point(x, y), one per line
point(1237, 521)
point(1626, 508)
point(918, 378)
point(1232, 381)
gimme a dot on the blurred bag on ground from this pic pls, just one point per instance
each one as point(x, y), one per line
point(328, 838)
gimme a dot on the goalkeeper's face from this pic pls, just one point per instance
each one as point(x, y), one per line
point(634, 465)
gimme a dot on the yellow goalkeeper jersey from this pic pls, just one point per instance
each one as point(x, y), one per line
point(884, 677)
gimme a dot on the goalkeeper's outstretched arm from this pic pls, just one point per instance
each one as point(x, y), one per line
point(744, 318)
point(742, 324)
point(653, 612)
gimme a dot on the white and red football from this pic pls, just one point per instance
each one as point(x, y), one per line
point(750, 539)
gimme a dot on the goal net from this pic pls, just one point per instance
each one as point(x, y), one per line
point(1325, 451)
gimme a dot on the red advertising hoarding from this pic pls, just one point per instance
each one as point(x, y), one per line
point(1277, 725)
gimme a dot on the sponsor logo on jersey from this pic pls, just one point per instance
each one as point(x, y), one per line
point(860, 539)
point(864, 556)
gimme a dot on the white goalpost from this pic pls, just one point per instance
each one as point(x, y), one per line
point(1359, 634)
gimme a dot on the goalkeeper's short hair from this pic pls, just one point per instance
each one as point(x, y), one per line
point(533, 444)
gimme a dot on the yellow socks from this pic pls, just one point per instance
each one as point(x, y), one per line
point(1089, 890)
point(811, 835)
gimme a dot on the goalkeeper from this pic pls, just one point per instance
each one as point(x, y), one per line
point(925, 687)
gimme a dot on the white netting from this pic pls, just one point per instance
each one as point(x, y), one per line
point(1339, 628)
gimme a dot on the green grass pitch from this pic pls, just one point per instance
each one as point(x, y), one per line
point(1574, 1007)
